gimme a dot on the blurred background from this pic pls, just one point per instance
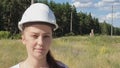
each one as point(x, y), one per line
point(88, 35)
point(76, 17)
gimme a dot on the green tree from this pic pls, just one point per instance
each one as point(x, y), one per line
point(105, 28)
point(82, 23)
point(12, 11)
point(1, 19)
point(62, 13)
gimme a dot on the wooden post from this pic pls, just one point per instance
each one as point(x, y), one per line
point(92, 33)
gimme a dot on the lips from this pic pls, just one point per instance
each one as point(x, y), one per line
point(39, 50)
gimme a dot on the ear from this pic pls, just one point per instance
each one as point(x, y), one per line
point(23, 39)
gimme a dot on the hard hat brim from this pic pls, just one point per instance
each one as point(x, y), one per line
point(20, 25)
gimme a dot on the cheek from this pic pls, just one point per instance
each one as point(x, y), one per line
point(47, 44)
point(48, 41)
point(29, 42)
point(30, 46)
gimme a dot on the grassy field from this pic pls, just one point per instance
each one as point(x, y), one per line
point(74, 51)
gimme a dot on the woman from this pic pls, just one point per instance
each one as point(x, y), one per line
point(36, 25)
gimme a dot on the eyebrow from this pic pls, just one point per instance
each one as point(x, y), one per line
point(39, 33)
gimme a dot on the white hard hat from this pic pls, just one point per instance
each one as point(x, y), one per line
point(38, 12)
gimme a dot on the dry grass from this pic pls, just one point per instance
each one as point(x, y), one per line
point(74, 51)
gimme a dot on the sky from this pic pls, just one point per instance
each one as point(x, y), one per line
point(101, 9)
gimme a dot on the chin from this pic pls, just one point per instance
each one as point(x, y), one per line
point(40, 55)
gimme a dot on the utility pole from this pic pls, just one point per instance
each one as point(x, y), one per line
point(32, 1)
point(112, 22)
point(71, 23)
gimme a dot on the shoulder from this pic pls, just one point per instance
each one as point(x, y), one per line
point(15, 66)
point(62, 64)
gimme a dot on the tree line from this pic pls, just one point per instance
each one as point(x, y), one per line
point(82, 23)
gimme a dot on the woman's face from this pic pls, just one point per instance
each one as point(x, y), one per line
point(37, 39)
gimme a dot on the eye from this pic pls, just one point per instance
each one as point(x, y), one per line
point(35, 36)
point(46, 36)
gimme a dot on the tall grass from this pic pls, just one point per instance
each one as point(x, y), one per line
point(11, 52)
point(74, 51)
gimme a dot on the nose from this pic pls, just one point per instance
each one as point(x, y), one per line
point(40, 41)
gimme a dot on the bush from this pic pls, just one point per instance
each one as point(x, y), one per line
point(8, 35)
point(70, 34)
point(16, 36)
point(4, 34)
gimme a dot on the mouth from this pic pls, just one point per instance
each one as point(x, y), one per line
point(40, 50)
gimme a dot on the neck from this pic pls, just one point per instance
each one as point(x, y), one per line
point(35, 63)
